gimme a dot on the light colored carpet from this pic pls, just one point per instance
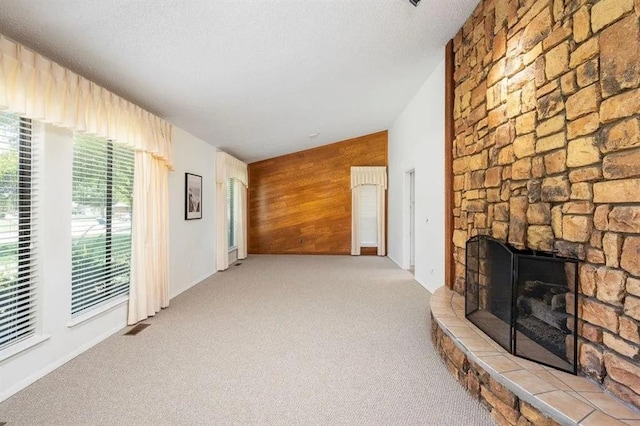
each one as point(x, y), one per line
point(276, 340)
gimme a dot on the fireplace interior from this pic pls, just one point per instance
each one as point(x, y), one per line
point(524, 300)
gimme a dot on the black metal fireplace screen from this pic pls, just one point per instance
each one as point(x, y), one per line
point(524, 300)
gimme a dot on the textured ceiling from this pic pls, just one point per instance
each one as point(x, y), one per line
point(252, 77)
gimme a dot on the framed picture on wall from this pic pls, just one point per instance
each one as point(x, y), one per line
point(192, 196)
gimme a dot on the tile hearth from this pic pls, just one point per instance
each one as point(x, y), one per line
point(565, 398)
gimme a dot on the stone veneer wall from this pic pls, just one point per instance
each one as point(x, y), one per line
point(505, 407)
point(547, 156)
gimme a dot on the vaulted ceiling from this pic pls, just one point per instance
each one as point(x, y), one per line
point(253, 77)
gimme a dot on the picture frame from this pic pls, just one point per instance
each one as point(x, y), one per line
point(192, 196)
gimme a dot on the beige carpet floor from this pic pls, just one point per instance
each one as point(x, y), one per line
point(277, 340)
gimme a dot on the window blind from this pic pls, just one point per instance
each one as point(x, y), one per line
point(368, 216)
point(101, 221)
point(18, 252)
point(231, 213)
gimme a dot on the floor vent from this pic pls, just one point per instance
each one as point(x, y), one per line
point(238, 264)
point(135, 330)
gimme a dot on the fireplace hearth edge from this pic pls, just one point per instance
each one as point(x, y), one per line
point(524, 300)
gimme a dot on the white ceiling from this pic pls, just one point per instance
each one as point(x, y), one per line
point(252, 77)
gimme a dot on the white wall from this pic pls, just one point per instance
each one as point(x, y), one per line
point(192, 249)
point(192, 256)
point(416, 141)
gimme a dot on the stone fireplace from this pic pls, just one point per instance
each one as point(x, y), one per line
point(546, 157)
point(523, 300)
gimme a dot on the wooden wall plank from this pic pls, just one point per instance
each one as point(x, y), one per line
point(301, 203)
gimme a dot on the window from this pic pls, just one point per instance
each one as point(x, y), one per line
point(369, 216)
point(101, 221)
point(18, 297)
point(231, 213)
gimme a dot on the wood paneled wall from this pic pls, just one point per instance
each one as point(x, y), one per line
point(301, 203)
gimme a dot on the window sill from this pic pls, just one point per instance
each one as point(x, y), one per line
point(231, 249)
point(23, 346)
point(97, 311)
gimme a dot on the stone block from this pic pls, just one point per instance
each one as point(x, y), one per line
point(534, 190)
point(552, 104)
point(459, 238)
point(502, 393)
point(588, 282)
point(506, 156)
point(496, 72)
point(587, 50)
point(617, 191)
point(576, 228)
point(630, 258)
point(600, 314)
point(583, 102)
point(534, 416)
point(540, 237)
point(584, 125)
point(588, 73)
point(619, 56)
point(596, 239)
point(568, 83)
point(592, 361)
point(578, 207)
point(555, 189)
point(521, 169)
point(623, 135)
point(601, 217)
point(581, 191)
point(632, 307)
point(621, 165)
point(499, 45)
point(539, 214)
point(555, 162)
point(620, 391)
point(526, 123)
point(623, 371)
point(625, 219)
point(529, 101)
point(581, 24)
point(497, 116)
point(552, 142)
point(585, 174)
point(582, 152)
point(595, 256)
point(550, 126)
point(557, 61)
point(530, 56)
point(612, 246)
point(620, 106)
point(630, 329)
point(607, 11)
point(620, 346)
point(517, 220)
point(536, 31)
point(556, 221)
point(524, 146)
point(492, 178)
point(500, 230)
point(537, 167)
point(610, 285)
point(557, 36)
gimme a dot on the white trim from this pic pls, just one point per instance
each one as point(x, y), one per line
point(101, 309)
point(58, 363)
point(22, 346)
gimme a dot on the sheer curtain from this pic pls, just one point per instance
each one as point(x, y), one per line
point(37, 88)
point(368, 176)
point(228, 167)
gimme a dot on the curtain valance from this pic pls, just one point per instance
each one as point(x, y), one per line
point(368, 176)
point(228, 166)
point(33, 86)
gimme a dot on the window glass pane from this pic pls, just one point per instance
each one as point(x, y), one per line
point(101, 221)
point(368, 216)
point(18, 304)
point(231, 213)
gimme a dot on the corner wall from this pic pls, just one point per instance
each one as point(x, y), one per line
point(547, 156)
point(416, 142)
